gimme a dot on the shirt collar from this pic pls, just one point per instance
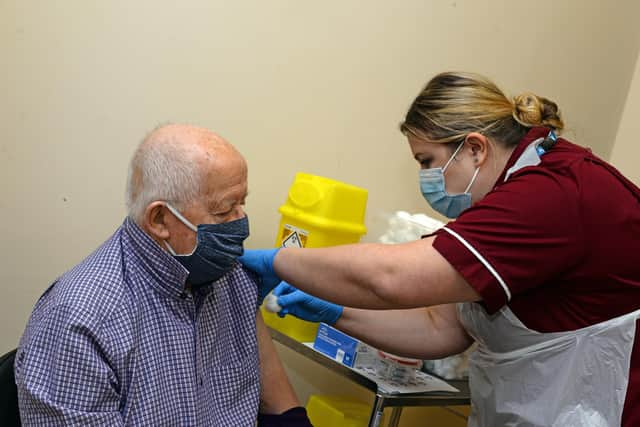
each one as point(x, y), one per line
point(532, 135)
point(163, 271)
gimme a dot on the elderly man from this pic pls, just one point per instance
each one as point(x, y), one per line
point(159, 326)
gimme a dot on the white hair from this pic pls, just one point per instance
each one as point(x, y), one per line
point(161, 169)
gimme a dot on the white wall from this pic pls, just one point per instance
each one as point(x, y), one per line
point(296, 86)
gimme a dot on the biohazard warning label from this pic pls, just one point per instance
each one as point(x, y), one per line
point(293, 237)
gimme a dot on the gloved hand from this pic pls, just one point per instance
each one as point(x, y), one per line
point(260, 261)
point(305, 306)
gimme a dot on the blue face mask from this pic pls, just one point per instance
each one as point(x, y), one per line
point(434, 191)
point(217, 248)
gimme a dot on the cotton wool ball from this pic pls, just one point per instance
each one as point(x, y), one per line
point(404, 235)
point(271, 303)
point(403, 215)
point(394, 222)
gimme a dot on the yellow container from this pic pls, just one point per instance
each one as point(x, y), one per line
point(332, 411)
point(318, 212)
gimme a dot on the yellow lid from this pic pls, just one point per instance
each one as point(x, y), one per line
point(326, 203)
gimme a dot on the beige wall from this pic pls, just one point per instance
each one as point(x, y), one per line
point(626, 151)
point(298, 86)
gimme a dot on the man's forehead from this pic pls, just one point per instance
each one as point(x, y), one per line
point(228, 196)
point(226, 177)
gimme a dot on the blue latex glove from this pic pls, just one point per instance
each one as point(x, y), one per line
point(305, 306)
point(260, 261)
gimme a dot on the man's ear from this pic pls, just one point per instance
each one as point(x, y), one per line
point(480, 146)
point(153, 220)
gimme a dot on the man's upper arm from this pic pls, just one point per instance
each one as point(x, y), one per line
point(63, 374)
point(276, 393)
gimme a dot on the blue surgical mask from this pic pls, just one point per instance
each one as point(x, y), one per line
point(217, 248)
point(434, 190)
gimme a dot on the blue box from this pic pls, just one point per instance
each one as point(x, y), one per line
point(337, 345)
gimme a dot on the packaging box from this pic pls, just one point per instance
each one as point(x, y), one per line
point(344, 348)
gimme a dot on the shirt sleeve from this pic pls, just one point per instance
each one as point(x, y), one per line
point(522, 235)
point(63, 375)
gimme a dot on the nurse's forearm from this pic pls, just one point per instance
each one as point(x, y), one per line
point(339, 274)
point(375, 276)
point(422, 333)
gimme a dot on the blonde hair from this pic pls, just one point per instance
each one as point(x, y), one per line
point(452, 105)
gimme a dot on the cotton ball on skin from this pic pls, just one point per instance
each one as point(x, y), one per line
point(271, 303)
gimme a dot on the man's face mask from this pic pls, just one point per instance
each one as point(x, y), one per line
point(217, 247)
point(434, 190)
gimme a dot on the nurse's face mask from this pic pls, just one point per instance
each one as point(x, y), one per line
point(434, 190)
point(217, 248)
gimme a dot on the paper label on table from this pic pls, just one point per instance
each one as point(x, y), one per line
point(421, 383)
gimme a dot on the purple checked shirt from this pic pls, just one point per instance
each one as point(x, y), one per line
point(118, 341)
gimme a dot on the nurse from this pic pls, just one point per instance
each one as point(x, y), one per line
point(540, 265)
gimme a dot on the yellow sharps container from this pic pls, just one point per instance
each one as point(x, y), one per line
point(318, 212)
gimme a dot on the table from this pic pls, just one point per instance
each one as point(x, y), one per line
point(382, 400)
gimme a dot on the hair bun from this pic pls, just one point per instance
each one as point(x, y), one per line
point(531, 110)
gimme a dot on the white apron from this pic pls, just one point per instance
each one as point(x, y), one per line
point(520, 377)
